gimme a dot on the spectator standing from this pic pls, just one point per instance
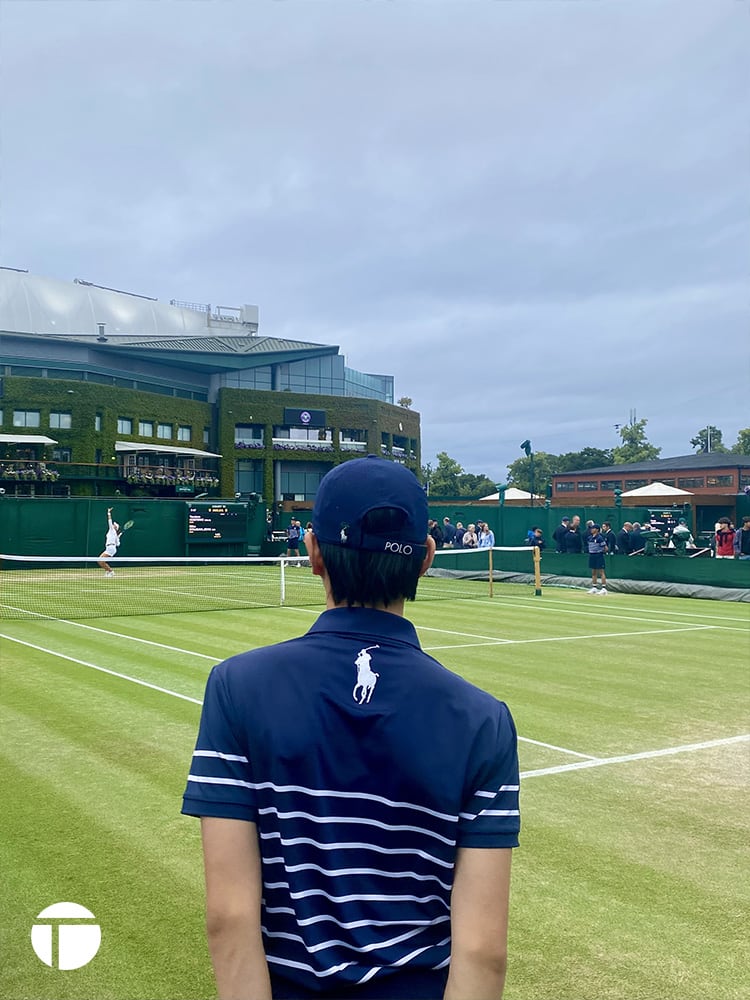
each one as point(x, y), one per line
point(681, 537)
point(458, 541)
point(609, 537)
point(486, 538)
point(558, 535)
point(597, 548)
point(742, 540)
point(470, 540)
point(536, 538)
point(624, 539)
point(637, 543)
point(436, 534)
point(449, 533)
point(573, 541)
point(724, 539)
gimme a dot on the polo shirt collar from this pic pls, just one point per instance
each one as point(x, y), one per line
point(367, 622)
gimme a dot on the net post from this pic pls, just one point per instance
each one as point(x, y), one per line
point(537, 571)
point(282, 595)
point(491, 574)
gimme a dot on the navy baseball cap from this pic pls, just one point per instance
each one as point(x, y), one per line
point(353, 489)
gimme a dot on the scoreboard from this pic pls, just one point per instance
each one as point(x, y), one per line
point(215, 521)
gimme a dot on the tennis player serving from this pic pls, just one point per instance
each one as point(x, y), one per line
point(111, 543)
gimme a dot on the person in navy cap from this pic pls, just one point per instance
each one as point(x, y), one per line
point(358, 800)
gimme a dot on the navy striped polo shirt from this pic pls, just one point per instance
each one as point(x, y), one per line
point(365, 764)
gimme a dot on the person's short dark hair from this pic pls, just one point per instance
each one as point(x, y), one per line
point(362, 577)
point(606, 524)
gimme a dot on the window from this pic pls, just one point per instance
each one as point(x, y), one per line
point(744, 480)
point(719, 480)
point(124, 425)
point(585, 485)
point(26, 418)
point(98, 422)
point(146, 428)
point(634, 484)
point(184, 433)
point(565, 487)
point(690, 482)
point(206, 435)
point(610, 484)
point(248, 435)
point(1, 418)
point(60, 421)
point(61, 454)
point(164, 431)
point(664, 482)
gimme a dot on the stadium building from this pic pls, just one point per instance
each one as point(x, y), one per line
point(104, 392)
point(709, 482)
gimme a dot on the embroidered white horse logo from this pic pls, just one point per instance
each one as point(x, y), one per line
point(366, 678)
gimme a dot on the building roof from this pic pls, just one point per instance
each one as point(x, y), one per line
point(193, 335)
point(713, 460)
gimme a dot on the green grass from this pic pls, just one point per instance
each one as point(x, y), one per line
point(631, 881)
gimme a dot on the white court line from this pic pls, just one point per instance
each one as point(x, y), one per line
point(559, 769)
point(644, 755)
point(552, 609)
point(551, 746)
point(571, 638)
point(104, 670)
point(119, 635)
point(648, 611)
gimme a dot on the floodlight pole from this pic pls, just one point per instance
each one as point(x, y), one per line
point(526, 447)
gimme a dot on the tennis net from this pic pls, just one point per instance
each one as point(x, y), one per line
point(75, 587)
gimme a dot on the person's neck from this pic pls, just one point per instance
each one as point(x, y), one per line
point(396, 608)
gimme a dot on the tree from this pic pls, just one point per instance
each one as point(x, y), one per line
point(449, 479)
point(587, 458)
point(708, 439)
point(445, 477)
point(742, 447)
point(545, 466)
point(635, 446)
point(405, 401)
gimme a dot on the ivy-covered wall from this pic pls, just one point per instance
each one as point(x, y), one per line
point(239, 406)
point(84, 400)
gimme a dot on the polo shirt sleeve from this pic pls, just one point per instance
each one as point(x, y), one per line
point(490, 816)
point(220, 782)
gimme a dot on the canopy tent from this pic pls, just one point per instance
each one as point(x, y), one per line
point(162, 449)
point(25, 439)
point(657, 490)
point(513, 493)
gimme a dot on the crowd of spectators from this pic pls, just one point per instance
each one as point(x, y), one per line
point(28, 472)
point(170, 477)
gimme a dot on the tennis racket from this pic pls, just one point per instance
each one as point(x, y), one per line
point(127, 525)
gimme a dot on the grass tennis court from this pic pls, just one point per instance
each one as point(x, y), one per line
point(631, 881)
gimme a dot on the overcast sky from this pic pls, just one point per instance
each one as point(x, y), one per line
point(533, 214)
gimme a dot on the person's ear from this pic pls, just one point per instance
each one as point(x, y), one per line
point(430, 555)
point(314, 554)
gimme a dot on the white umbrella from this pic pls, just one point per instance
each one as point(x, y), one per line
point(512, 493)
point(657, 490)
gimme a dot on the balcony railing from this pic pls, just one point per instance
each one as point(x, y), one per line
point(353, 445)
point(291, 444)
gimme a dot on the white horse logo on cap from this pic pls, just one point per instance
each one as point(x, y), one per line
point(366, 678)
